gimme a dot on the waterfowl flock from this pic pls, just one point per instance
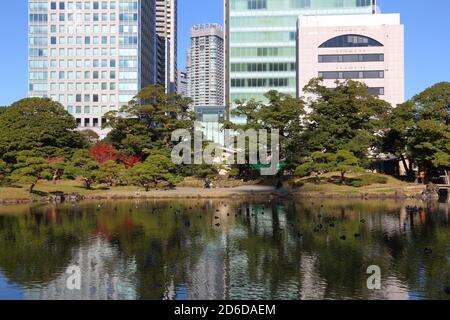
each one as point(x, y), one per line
point(326, 222)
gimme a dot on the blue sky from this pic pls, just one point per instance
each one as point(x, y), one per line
point(426, 22)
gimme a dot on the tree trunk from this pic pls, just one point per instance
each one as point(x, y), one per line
point(447, 177)
point(88, 183)
point(342, 177)
point(56, 175)
point(409, 172)
point(402, 157)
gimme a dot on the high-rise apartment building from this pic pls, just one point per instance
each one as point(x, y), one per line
point(167, 46)
point(205, 65)
point(182, 83)
point(261, 42)
point(91, 56)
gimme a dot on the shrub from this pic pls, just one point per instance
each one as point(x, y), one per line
point(367, 180)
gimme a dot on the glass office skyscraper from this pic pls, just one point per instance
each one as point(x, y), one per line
point(261, 38)
point(167, 48)
point(91, 56)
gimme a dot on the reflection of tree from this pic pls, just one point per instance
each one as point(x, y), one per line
point(34, 248)
point(274, 256)
point(165, 240)
point(398, 249)
point(425, 273)
point(265, 258)
point(37, 246)
point(259, 254)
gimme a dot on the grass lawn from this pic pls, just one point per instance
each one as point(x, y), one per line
point(43, 188)
point(323, 185)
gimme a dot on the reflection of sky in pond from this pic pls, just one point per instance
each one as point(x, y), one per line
point(9, 292)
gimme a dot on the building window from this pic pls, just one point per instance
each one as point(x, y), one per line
point(263, 67)
point(363, 3)
point(372, 91)
point(339, 58)
point(301, 3)
point(349, 41)
point(256, 4)
point(351, 75)
point(376, 91)
point(258, 83)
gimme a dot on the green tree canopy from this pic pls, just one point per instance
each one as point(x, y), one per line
point(430, 136)
point(83, 166)
point(148, 121)
point(30, 168)
point(111, 173)
point(342, 161)
point(157, 168)
point(396, 138)
point(345, 118)
point(282, 112)
point(419, 129)
point(40, 125)
point(3, 171)
point(91, 136)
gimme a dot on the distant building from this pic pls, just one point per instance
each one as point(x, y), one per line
point(100, 278)
point(367, 48)
point(210, 119)
point(182, 83)
point(205, 67)
point(92, 57)
point(167, 44)
point(261, 42)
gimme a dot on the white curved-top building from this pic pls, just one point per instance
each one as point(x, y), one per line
point(367, 48)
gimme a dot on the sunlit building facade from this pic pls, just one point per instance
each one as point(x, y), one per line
point(205, 67)
point(261, 42)
point(365, 48)
point(182, 87)
point(167, 44)
point(91, 56)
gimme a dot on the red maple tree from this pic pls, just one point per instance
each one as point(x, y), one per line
point(104, 152)
point(130, 161)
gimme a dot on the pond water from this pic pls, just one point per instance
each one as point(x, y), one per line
point(224, 249)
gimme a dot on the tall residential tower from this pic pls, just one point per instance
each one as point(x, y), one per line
point(205, 65)
point(91, 56)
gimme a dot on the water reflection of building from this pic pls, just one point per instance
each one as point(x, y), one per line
point(247, 270)
point(208, 277)
point(391, 289)
point(208, 271)
point(237, 265)
point(104, 276)
point(312, 286)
